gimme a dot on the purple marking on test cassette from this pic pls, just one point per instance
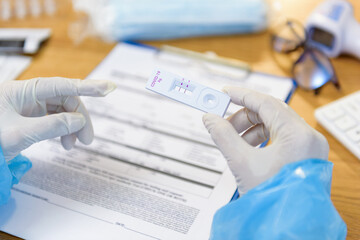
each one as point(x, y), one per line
point(192, 93)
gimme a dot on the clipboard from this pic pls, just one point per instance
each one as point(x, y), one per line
point(117, 157)
point(213, 58)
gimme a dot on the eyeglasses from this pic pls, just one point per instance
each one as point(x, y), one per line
point(310, 67)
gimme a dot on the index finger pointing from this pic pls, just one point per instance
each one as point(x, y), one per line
point(43, 88)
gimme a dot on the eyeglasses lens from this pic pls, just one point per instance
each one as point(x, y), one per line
point(310, 67)
point(313, 69)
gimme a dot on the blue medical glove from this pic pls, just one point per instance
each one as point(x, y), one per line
point(295, 204)
point(11, 173)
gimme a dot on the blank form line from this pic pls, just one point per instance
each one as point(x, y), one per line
point(160, 155)
point(129, 229)
point(145, 167)
point(46, 200)
point(153, 129)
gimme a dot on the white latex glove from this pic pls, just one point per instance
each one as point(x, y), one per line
point(292, 139)
point(43, 108)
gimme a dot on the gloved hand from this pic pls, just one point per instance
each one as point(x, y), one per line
point(43, 108)
point(263, 116)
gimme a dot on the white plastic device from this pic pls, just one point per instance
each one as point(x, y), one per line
point(342, 119)
point(188, 92)
point(22, 40)
point(333, 29)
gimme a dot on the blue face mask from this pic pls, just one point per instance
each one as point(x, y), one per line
point(163, 19)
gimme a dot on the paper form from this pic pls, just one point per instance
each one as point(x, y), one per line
point(152, 171)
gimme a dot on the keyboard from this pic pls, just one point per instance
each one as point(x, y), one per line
point(342, 119)
point(11, 66)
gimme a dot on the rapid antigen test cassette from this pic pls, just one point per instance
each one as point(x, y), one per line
point(188, 92)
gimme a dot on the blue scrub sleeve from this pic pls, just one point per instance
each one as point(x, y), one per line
point(11, 173)
point(294, 204)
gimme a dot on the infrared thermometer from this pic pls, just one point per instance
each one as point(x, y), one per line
point(333, 29)
point(188, 92)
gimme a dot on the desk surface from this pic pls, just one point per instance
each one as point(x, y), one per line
point(60, 57)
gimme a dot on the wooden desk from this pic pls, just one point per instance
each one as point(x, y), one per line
point(60, 57)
